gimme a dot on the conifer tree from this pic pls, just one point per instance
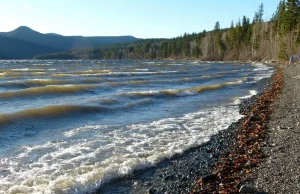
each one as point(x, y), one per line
point(258, 17)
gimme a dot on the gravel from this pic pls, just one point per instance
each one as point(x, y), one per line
point(280, 173)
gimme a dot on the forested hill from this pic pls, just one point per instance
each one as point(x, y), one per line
point(25, 43)
point(246, 39)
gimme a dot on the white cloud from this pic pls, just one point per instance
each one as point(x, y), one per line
point(27, 6)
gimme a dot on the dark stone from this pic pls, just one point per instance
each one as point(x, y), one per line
point(184, 179)
point(210, 177)
point(151, 191)
point(252, 164)
point(169, 177)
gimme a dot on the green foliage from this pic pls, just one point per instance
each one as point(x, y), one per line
point(258, 17)
point(217, 26)
point(282, 55)
point(243, 40)
point(298, 38)
point(220, 43)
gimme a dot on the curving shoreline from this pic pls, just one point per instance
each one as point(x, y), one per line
point(231, 173)
point(280, 172)
point(178, 175)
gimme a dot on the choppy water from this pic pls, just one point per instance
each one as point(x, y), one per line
point(70, 126)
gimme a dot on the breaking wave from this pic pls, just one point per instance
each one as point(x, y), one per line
point(87, 157)
point(51, 89)
point(48, 111)
point(181, 92)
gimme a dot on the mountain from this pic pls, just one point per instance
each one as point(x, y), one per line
point(17, 49)
point(52, 42)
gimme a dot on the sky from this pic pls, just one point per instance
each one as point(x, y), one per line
point(139, 18)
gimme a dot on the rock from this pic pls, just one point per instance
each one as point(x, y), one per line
point(251, 164)
point(184, 179)
point(169, 177)
point(210, 177)
point(246, 189)
point(152, 191)
point(273, 144)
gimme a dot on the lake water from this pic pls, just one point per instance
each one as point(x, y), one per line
point(70, 126)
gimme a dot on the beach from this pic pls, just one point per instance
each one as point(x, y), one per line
point(280, 172)
point(181, 173)
point(276, 168)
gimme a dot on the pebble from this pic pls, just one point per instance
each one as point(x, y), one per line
point(273, 145)
point(152, 191)
point(246, 189)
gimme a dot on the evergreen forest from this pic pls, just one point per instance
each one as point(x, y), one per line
point(246, 39)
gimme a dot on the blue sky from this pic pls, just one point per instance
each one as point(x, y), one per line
point(140, 18)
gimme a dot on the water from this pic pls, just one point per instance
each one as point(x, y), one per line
point(70, 126)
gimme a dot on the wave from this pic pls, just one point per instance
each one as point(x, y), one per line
point(45, 82)
point(139, 103)
point(106, 101)
point(92, 80)
point(85, 158)
point(137, 82)
point(31, 70)
point(62, 75)
point(12, 84)
point(47, 86)
point(51, 89)
point(110, 73)
point(196, 78)
point(114, 84)
point(11, 73)
point(48, 111)
point(238, 99)
point(59, 110)
point(91, 71)
point(181, 92)
point(34, 82)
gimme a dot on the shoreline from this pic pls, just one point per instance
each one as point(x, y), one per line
point(280, 171)
point(178, 174)
point(231, 173)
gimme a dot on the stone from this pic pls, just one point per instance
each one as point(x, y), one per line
point(183, 179)
point(210, 177)
point(273, 144)
point(169, 177)
point(246, 189)
point(151, 191)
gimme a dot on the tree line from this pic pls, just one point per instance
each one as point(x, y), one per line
point(246, 39)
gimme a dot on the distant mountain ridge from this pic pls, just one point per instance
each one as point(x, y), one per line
point(35, 43)
point(12, 48)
